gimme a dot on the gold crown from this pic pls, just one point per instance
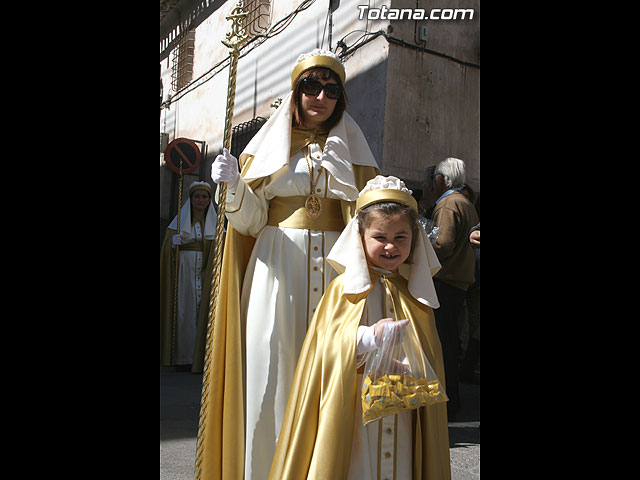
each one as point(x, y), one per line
point(317, 62)
point(200, 186)
point(386, 195)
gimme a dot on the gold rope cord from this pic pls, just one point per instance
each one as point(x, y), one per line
point(234, 41)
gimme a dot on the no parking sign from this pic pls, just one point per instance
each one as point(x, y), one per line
point(185, 151)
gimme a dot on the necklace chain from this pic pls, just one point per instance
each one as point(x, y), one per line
point(310, 169)
point(313, 204)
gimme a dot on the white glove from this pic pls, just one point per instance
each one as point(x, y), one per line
point(370, 338)
point(176, 240)
point(225, 170)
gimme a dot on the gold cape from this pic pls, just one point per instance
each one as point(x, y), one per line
point(167, 279)
point(222, 451)
point(317, 432)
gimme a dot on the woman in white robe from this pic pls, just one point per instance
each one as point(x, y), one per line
point(182, 340)
point(286, 272)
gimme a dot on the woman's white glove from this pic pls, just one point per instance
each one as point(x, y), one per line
point(176, 240)
point(225, 170)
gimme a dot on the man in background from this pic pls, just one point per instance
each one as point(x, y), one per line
point(455, 216)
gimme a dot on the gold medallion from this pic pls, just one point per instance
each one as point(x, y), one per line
point(313, 206)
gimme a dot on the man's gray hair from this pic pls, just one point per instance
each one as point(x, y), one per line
point(452, 169)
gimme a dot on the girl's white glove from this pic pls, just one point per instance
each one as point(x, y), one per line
point(370, 338)
point(393, 330)
point(225, 170)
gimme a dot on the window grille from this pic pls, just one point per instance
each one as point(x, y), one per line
point(259, 16)
point(241, 134)
point(182, 68)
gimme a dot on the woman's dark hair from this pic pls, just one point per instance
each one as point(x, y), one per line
point(318, 74)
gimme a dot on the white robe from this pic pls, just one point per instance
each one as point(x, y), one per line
point(286, 277)
point(189, 295)
point(190, 280)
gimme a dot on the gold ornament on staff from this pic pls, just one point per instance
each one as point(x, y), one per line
point(234, 41)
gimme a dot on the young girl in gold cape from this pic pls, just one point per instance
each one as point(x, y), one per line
point(385, 259)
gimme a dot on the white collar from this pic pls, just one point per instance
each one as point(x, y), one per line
point(210, 222)
point(346, 146)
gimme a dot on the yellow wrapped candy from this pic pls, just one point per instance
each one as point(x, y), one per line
point(391, 394)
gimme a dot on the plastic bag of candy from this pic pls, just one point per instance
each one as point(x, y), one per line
point(398, 376)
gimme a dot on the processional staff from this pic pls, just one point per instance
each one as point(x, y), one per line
point(234, 41)
point(177, 271)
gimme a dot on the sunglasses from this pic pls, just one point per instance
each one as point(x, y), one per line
point(313, 88)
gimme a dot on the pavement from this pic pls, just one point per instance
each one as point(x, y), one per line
point(180, 410)
point(464, 435)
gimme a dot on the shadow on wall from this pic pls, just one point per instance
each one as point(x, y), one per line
point(367, 99)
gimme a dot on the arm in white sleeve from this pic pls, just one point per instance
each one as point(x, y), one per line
point(366, 340)
point(246, 210)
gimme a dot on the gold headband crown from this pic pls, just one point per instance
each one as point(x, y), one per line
point(385, 189)
point(199, 186)
point(318, 59)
